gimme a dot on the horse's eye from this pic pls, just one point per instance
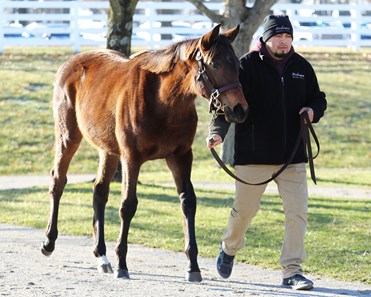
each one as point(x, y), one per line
point(215, 64)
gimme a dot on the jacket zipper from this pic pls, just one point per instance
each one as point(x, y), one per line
point(284, 114)
point(253, 137)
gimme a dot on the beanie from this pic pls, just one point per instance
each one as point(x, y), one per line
point(276, 24)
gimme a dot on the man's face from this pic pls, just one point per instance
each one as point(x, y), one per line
point(279, 45)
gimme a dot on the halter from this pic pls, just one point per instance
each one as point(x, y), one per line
point(215, 105)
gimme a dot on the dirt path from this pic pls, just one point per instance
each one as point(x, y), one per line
point(71, 270)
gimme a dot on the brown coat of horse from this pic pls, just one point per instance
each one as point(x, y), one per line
point(136, 110)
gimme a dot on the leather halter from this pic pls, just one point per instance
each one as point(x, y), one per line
point(305, 128)
point(214, 103)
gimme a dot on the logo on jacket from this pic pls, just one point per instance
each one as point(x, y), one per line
point(297, 75)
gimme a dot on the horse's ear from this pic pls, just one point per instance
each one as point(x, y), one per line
point(207, 40)
point(232, 33)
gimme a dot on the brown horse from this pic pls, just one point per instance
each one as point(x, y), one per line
point(136, 110)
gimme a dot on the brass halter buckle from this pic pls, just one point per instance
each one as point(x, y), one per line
point(215, 105)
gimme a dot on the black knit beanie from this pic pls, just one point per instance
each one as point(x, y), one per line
point(276, 24)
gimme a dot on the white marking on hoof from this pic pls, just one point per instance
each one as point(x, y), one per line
point(103, 261)
point(104, 265)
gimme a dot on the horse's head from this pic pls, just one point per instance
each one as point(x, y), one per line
point(218, 74)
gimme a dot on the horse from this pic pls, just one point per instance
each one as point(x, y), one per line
point(135, 110)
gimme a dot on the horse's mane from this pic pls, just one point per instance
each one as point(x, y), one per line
point(162, 61)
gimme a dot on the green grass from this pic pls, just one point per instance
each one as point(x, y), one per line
point(344, 131)
point(339, 230)
point(337, 241)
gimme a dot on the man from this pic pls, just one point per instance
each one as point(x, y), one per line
point(279, 85)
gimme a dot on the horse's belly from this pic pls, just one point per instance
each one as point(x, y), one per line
point(102, 141)
point(107, 144)
point(99, 129)
point(165, 146)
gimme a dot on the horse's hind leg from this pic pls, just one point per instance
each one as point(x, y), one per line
point(129, 203)
point(67, 141)
point(107, 168)
point(180, 166)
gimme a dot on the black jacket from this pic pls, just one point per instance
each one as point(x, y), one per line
point(269, 133)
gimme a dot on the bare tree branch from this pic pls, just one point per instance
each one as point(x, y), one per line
point(216, 18)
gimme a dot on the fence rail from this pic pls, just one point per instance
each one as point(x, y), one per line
point(157, 24)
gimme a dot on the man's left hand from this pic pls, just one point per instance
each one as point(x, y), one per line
point(309, 111)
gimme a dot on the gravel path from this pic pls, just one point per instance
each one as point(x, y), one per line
point(71, 270)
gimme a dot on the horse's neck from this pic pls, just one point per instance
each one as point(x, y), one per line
point(178, 86)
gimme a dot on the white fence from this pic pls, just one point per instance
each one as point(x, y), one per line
point(157, 24)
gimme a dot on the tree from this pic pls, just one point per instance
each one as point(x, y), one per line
point(249, 19)
point(120, 25)
point(119, 31)
point(236, 12)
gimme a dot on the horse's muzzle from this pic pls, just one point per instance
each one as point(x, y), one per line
point(237, 114)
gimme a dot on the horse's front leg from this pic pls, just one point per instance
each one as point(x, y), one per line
point(180, 166)
point(128, 208)
point(107, 168)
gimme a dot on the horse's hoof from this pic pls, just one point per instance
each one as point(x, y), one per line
point(104, 266)
point(194, 277)
point(44, 251)
point(122, 273)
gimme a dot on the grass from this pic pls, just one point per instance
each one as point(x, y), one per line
point(344, 130)
point(338, 231)
point(337, 239)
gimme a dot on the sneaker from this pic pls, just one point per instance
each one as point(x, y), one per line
point(224, 264)
point(297, 282)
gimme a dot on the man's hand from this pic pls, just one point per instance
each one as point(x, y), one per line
point(309, 111)
point(213, 140)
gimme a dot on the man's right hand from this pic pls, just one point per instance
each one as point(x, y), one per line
point(213, 140)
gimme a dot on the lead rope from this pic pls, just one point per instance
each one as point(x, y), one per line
point(304, 135)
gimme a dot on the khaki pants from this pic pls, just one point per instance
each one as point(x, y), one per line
point(292, 187)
